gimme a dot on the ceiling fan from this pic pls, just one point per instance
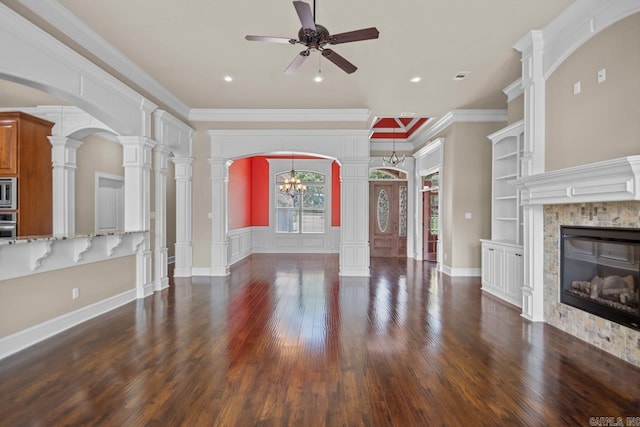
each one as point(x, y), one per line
point(317, 37)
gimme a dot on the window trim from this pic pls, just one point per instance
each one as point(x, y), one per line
point(322, 166)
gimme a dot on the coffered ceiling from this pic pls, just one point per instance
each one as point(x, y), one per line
point(181, 51)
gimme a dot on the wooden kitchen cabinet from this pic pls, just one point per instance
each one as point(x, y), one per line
point(8, 148)
point(25, 153)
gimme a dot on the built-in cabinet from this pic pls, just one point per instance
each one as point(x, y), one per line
point(502, 271)
point(502, 256)
point(25, 153)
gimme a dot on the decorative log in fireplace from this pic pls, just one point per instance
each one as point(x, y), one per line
point(600, 272)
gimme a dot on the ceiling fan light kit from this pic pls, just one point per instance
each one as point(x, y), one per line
point(316, 37)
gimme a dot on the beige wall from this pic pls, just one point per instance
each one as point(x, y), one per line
point(30, 300)
point(603, 121)
point(466, 187)
point(470, 192)
point(515, 110)
point(96, 154)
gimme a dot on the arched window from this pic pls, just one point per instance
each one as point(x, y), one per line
point(302, 213)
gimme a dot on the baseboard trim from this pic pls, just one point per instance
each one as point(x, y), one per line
point(461, 272)
point(20, 340)
point(200, 271)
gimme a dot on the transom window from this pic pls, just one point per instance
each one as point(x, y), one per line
point(386, 174)
point(302, 213)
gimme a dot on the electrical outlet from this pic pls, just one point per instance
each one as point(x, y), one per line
point(75, 293)
point(467, 215)
point(576, 88)
point(602, 75)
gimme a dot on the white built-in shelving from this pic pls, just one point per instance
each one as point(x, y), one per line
point(502, 260)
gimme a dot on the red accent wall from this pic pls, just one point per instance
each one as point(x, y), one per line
point(335, 194)
point(249, 192)
point(240, 193)
point(260, 187)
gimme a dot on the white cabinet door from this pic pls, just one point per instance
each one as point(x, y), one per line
point(498, 270)
point(487, 266)
point(514, 265)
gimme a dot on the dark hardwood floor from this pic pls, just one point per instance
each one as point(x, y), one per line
point(285, 341)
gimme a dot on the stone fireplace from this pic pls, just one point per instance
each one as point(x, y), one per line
point(611, 336)
point(600, 195)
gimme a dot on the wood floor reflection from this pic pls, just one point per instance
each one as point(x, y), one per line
point(286, 341)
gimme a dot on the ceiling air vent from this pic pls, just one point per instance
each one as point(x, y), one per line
point(461, 75)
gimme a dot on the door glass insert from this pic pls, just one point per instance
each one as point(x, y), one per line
point(403, 211)
point(383, 210)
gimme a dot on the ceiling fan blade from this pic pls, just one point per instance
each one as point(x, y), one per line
point(297, 62)
point(355, 36)
point(270, 39)
point(305, 15)
point(332, 56)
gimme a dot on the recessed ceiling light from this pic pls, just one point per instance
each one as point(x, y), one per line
point(228, 78)
point(318, 78)
point(461, 75)
point(415, 79)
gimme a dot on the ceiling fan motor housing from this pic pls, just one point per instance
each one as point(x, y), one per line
point(314, 39)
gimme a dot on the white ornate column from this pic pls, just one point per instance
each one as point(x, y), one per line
point(354, 219)
point(533, 162)
point(137, 153)
point(183, 172)
point(176, 136)
point(219, 239)
point(161, 253)
point(63, 156)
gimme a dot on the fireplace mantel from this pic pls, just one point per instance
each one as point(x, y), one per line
point(606, 181)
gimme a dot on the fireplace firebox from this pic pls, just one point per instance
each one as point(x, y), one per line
point(600, 272)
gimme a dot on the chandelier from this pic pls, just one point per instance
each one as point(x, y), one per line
point(393, 159)
point(292, 186)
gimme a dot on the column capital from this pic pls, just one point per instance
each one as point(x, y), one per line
point(136, 151)
point(63, 151)
point(184, 168)
point(136, 140)
point(183, 160)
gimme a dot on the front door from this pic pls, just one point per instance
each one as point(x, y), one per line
point(388, 218)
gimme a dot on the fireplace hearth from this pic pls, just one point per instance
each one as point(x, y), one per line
point(600, 272)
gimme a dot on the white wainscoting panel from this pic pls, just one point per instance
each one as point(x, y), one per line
point(240, 244)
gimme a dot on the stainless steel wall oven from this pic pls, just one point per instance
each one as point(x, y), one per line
point(8, 225)
point(8, 194)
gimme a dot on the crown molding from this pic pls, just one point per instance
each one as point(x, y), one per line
point(279, 115)
point(511, 130)
point(416, 136)
point(514, 90)
point(466, 116)
point(431, 146)
point(70, 25)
